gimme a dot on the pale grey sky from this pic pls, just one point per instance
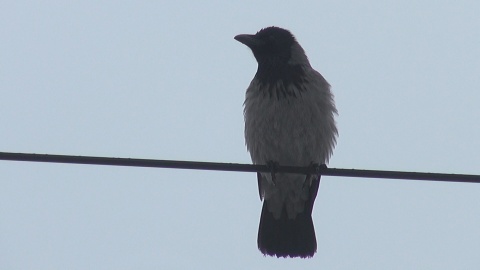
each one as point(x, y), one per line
point(167, 81)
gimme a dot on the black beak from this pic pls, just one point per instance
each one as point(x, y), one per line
point(250, 40)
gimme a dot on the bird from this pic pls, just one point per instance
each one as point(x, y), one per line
point(289, 114)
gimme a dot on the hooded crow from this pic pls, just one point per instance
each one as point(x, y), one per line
point(289, 120)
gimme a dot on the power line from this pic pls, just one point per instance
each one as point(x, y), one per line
point(216, 166)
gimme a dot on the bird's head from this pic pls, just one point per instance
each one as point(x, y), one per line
point(274, 45)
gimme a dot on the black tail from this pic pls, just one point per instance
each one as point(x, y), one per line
point(286, 237)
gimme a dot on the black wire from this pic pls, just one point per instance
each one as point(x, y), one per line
point(215, 166)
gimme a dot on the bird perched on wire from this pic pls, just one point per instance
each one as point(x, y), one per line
point(289, 120)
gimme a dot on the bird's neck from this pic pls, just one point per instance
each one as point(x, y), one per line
point(274, 72)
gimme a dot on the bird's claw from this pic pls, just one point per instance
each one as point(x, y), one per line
point(273, 167)
point(315, 169)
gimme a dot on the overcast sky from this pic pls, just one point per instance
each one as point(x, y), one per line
point(144, 79)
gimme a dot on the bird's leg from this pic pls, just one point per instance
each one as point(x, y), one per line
point(273, 166)
point(314, 169)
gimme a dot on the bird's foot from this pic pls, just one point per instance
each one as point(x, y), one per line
point(273, 167)
point(315, 169)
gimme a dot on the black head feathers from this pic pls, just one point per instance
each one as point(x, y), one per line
point(271, 43)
